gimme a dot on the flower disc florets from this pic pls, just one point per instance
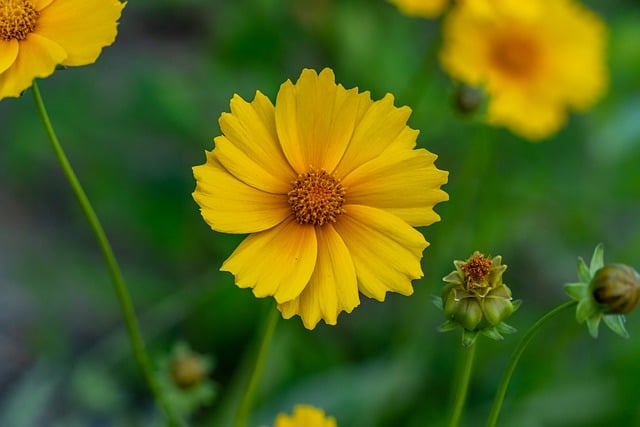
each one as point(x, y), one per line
point(316, 198)
point(476, 299)
point(17, 19)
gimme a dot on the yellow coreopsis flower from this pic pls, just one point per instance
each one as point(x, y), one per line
point(420, 8)
point(37, 35)
point(536, 59)
point(329, 186)
point(305, 416)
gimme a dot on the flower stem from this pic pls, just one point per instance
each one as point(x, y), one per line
point(137, 344)
point(463, 385)
point(244, 409)
point(515, 357)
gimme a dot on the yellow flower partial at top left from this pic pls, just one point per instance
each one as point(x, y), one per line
point(328, 185)
point(305, 416)
point(38, 35)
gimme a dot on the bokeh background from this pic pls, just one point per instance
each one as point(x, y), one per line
point(134, 124)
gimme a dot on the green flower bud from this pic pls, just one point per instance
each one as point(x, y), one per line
point(475, 298)
point(467, 99)
point(604, 293)
point(463, 309)
point(617, 288)
point(188, 370)
point(497, 305)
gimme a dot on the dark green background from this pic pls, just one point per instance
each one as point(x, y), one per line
point(134, 124)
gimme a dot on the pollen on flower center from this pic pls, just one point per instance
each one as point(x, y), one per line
point(316, 198)
point(514, 55)
point(476, 270)
point(17, 19)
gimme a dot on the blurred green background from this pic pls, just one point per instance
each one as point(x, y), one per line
point(134, 124)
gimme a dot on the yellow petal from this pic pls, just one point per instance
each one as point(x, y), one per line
point(231, 206)
point(379, 127)
point(245, 168)
point(255, 155)
point(534, 117)
point(37, 57)
point(276, 262)
point(81, 27)
point(405, 183)
point(8, 53)
point(40, 4)
point(315, 119)
point(385, 250)
point(333, 287)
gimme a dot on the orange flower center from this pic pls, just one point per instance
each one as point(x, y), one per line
point(316, 198)
point(17, 19)
point(514, 55)
point(476, 270)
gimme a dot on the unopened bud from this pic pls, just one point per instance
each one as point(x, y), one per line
point(617, 288)
point(467, 99)
point(187, 370)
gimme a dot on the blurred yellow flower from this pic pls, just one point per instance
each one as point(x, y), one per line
point(330, 186)
point(305, 416)
point(535, 59)
point(37, 35)
point(420, 8)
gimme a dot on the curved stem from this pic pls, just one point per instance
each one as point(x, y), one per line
point(463, 385)
point(244, 409)
point(515, 357)
point(137, 344)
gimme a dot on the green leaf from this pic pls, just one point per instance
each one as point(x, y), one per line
point(615, 322)
point(597, 260)
point(577, 291)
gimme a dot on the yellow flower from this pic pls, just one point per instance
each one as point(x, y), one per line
point(305, 416)
point(421, 8)
point(37, 35)
point(536, 59)
point(329, 185)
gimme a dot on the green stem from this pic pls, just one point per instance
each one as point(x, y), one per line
point(244, 409)
point(463, 385)
point(515, 357)
point(137, 344)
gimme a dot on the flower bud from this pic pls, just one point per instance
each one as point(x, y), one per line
point(617, 288)
point(188, 370)
point(462, 309)
point(467, 99)
point(476, 299)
